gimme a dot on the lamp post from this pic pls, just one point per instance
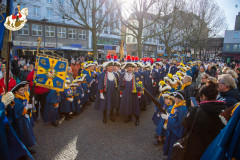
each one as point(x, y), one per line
point(44, 20)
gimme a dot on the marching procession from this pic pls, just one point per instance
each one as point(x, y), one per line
point(196, 104)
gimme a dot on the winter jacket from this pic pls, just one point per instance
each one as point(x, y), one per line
point(231, 97)
point(12, 83)
point(211, 72)
point(206, 128)
point(189, 92)
point(23, 75)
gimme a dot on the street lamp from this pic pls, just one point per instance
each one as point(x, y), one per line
point(44, 20)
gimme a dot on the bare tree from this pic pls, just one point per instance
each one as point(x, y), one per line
point(141, 22)
point(208, 20)
point(92, 15)
point(174, 24)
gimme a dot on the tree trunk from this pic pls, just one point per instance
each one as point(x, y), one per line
point(94, 45)
point(139, 45)
point(168, 49)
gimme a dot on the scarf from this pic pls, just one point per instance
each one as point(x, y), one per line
point(89, 71)
point(20, 97)
point(98, 70)
point(182, 103)
point(185, 85)
point(27, 95)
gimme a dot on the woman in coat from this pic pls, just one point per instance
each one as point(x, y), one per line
point(208, 123)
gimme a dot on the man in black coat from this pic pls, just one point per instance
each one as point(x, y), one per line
point(188, 89)
point(15, 68)
point(23, 74)
point(172, 69)
point(211, 72)
point(228, 90)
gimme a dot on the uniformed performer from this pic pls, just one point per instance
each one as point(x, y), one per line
point(129, 105)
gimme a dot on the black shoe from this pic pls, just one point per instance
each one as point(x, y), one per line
point(55, 124)
point(157, 143)
point(104, 120)
point(67, 118)
point(128, 120)
point(112, 119)
point(156, 136)
point(137, 123)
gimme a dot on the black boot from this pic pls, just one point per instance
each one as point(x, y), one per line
point(105, 116)
point(137, 121)
point(129, 119)
point(55, 124)
point(112, 116)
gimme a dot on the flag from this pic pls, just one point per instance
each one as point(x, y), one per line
point(51, 72)
point(121, 51)
point(4, 5)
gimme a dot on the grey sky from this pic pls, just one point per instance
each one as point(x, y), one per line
point(230, 11)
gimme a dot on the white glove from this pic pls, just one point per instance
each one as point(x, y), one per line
point(101, 96)
point(79, 102)
point(29, 106)
point(83, 95)
point(70, 100)
point(88, 91)
point(158, 115)
point(26, 115)
point(36, 102)
point(224, 121)
point(152, 81)
point(7, 98)
point(165, 116)
point(165, 126)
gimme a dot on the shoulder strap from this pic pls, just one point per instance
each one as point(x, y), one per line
point(193, 124)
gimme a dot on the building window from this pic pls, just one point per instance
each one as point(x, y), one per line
point(235, 47)
point(61, 32)
point(49, 14)
point(236, 35)
point(61, 2)
point(134, 40)
point(24, 30)
point(36, 30)
point(227, 47)
point(49, 1)
point(36, 11)
point(50, 31)
point(128, 39)
point(81, 34)
point(72, 33)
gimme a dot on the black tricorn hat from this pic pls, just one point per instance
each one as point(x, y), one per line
point(18, 86)
point(178, 94)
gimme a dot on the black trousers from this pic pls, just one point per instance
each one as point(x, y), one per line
point(41, 100)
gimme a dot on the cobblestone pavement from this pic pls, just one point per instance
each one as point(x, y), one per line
point(86, 138)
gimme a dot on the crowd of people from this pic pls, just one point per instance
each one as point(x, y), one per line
point(200, 102)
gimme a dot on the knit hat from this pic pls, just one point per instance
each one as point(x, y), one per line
point(178, 94)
